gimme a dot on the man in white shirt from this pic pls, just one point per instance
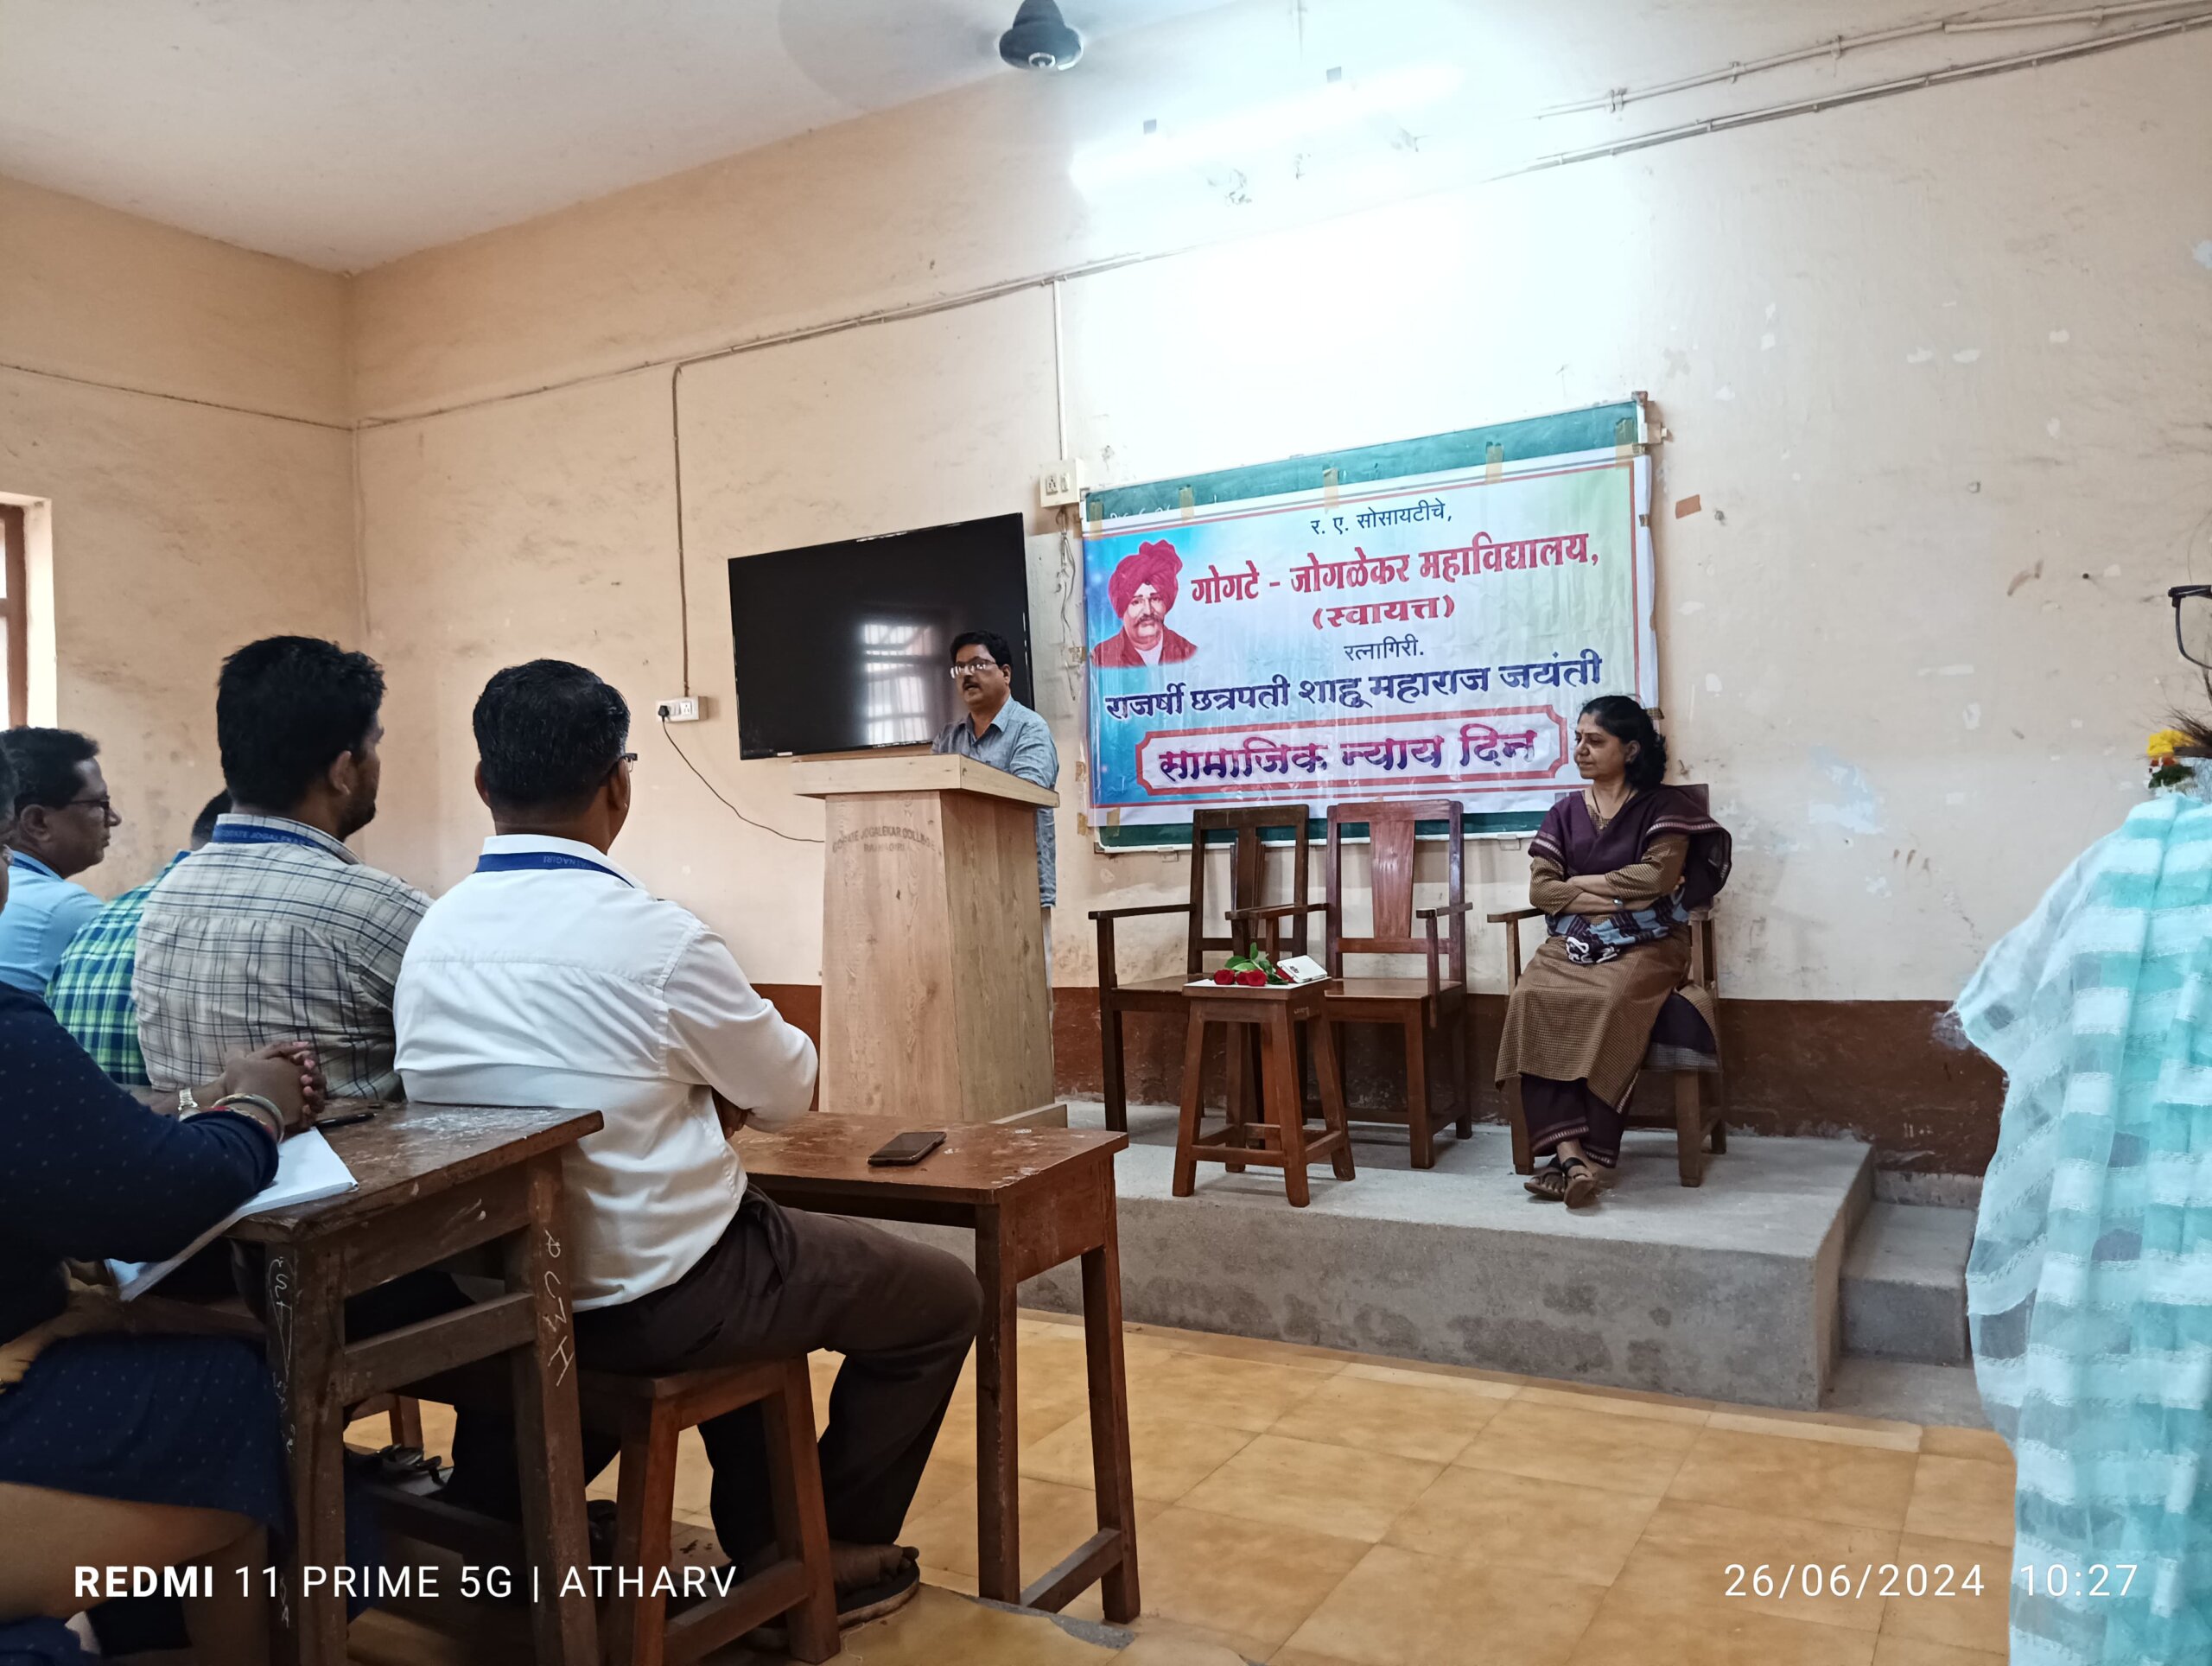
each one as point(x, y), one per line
point(550, 976)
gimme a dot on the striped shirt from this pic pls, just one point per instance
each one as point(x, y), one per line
point(293, 939)
point(90, 991)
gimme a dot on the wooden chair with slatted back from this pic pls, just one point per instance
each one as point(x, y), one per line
point(1247, 886)
point(1429, 1011)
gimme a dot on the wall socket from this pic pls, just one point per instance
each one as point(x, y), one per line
point(683, 710)
point(1060, 482)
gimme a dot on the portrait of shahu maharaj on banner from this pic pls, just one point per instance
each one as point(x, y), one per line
point(1143, 589)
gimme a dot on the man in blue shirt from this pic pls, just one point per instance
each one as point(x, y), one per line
point(63, 821)
point(999, 730)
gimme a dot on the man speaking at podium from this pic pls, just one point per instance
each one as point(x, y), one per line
point(999, 730)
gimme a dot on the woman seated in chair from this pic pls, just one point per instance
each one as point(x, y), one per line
point(137, 1451)
point(1617, 870)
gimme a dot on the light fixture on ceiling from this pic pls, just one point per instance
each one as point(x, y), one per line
point(1040, 38)
point(1337, 103)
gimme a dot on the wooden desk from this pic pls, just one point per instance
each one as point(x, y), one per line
point(436, 1181)
point(1033, 1198)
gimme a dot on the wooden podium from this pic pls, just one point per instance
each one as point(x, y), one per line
point(934, 1006)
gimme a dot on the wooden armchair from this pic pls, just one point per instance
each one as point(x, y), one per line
point(1699, 1110)
point(1246, 876)
point(1427, 1011)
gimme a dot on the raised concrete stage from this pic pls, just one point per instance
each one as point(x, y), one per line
point(1725, 1291)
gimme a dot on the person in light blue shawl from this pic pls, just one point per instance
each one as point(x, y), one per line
point(2090, 1288)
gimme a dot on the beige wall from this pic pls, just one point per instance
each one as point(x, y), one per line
point(181, 406)
point(1934, 366)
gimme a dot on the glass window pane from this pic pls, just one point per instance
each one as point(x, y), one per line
point(898, 695)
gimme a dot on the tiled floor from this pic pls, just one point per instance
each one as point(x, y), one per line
point(1320, 1509)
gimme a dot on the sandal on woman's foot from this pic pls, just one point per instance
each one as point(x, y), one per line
point(1581, 1183)
point(1548, 1182)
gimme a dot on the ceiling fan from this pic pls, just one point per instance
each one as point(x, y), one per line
point(1040, 38)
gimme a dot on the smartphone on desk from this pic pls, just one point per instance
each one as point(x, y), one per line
point(906, 1150)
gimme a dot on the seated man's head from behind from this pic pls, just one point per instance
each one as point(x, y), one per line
point(551, 741)
point(298, 720)
point(203, 824)
point(63, 818)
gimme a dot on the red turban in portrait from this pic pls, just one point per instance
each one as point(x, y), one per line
point(1156, 564)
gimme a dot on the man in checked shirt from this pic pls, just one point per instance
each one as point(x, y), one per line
point(276, 930)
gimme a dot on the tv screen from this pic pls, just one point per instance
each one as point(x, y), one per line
point(844, 646)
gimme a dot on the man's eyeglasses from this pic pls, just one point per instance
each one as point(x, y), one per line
point(973, 668)
point(105, 804)
point(2193, 622)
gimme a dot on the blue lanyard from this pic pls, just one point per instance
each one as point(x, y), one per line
point(512, 862)
point(231, 833)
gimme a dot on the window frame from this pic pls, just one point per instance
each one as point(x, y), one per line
point(14, 613)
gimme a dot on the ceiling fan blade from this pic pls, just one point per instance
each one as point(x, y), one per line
point(892, 53)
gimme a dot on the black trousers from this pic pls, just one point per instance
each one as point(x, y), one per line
point(779, 1283)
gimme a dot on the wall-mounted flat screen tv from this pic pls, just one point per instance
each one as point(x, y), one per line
point(844, 646)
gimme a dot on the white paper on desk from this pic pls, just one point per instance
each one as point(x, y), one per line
point(308, 1170)
point(1298, 969)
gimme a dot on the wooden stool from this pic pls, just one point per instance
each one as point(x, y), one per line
point(1280, 1141)
point(403, 1415)
point(648, 1413)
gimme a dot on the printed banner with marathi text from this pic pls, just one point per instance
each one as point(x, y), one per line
point(1428, 636)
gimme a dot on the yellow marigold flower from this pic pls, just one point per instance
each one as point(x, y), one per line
point(2165, 743)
